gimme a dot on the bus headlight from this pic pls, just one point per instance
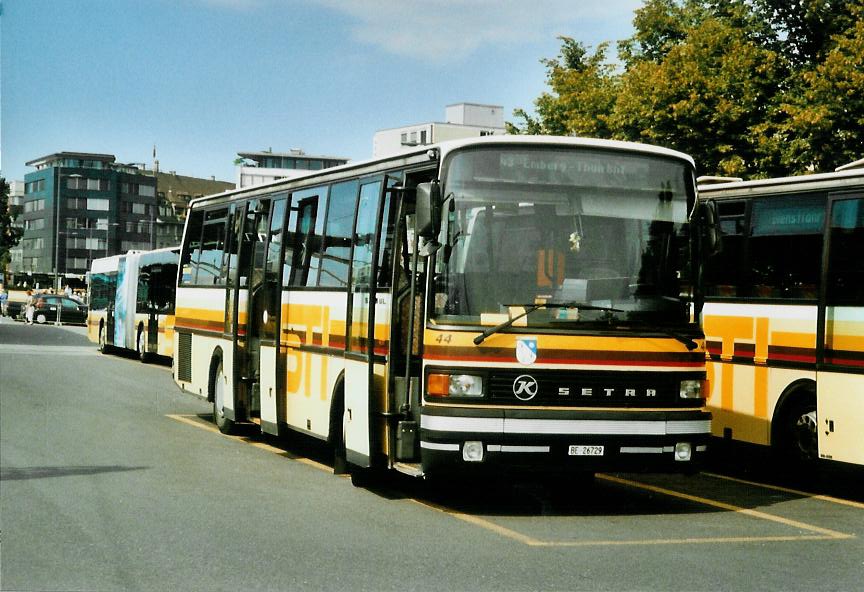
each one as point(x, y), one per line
point(454, 385)
point(691, 389)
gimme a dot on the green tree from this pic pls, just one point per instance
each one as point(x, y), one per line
point(583, 92)
point(9, 235)
point(750, 88)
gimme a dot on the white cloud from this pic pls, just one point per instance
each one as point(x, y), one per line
point(446, 30)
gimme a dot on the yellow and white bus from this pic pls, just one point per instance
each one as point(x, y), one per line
point(504, 301)
point(132, 302)
point(784, 315)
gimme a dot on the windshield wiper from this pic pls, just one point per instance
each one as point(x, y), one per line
point(531, 308)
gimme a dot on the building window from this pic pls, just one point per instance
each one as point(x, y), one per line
point(97, 204)
point(34, 205)
point(37, 224)
point(34, 186)
point(76, 263)
point(32, 244)
point(134, 246)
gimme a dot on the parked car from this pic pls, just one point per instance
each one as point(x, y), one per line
point(14, 309)
point(46, 305)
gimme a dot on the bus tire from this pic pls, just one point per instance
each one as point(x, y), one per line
point(103, 340)
point(217, 395)
point(337, 432)
point(141, 346)
point(796, 434)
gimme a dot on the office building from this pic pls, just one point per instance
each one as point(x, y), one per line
point(80, 206)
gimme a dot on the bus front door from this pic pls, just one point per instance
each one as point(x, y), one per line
point(364, 427)
point(840, 375)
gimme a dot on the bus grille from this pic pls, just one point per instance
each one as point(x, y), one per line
point(184, 357)
point(587, 389)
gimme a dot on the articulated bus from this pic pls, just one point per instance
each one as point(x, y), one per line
point(132, 302)
point(784, 316)
point(505, 302)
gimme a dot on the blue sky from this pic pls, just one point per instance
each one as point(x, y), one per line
point(204, 79)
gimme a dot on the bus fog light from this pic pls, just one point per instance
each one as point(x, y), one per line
point(683, 451)
point(691, 389)
point(472, 451)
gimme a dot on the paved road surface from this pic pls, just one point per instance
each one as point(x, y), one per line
point(112, 479)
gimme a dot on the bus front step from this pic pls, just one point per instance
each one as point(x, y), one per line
point(410, 469)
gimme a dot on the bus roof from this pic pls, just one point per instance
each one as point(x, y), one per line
point(421, 154)
point(836, 180)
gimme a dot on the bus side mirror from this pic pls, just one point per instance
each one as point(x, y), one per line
point(709, 228)
point(428, 210)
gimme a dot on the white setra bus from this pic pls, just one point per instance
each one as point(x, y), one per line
point(510, 302)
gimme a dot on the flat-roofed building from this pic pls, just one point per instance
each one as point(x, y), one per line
point(462, 120)
point(256, 168)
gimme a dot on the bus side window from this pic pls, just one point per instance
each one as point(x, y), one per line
point(304, 240)
point(336, 251)
point(785, 249)
point(387, 241)
point(191, 248)
point(723, 272)
point(845, 286)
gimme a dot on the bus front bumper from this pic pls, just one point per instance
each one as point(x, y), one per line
point(563, 440)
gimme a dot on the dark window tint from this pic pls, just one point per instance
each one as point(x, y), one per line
point(723, 272)
point(845, 285)
point(337, 235)
point(785, 248)
point(774, 252)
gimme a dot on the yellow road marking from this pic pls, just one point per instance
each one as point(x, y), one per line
point(482, 523)
point(826, 498)
point(729, 507)
point(824, 533)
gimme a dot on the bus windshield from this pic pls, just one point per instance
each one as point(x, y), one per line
point(574, 226)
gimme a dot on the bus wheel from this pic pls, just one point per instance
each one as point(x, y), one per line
point(217, 394)
point(798, 437)
point(103, 341)
point(141, 346)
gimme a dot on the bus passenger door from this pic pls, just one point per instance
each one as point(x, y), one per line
point(365, 379)
point(268, 303)
point(248, 301)
point(840, 373)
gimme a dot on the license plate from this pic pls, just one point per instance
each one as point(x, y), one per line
point(585, 450)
